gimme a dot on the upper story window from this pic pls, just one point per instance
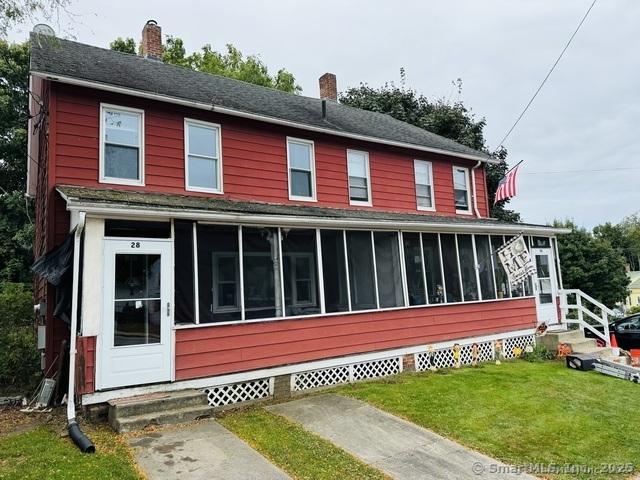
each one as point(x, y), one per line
point(359, 178)
point(461, 189)
point(301, 165)
point(121, 145)
point(423, 172)
point(203, 163)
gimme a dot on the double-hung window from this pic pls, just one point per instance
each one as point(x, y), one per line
point(423, 172)
point(359, 178)
point(121, 145)
point(461, 189)
point(203, 163)
point(301, 164)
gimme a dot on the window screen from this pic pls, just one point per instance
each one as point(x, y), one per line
point(435, 283)
point(361, 274)
point(502, 282)
point(414, 267)
point(183, 272)
point(334, 271)
point(468, 268)
point(260, 256)
point(450, 263)
point(485, 272)
point(300, 272)
point(388, 269)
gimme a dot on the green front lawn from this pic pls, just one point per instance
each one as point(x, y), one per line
point(522, 413)
point(43, 454)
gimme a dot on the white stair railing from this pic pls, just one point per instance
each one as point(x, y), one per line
point(580, 299)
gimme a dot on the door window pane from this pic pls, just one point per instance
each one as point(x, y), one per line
point(435, 285)
point(502, 282)
point(450, 263)
point(361, 274)
point(260, 261)
point(544, 279)
point(137, 302)
point(334, 271)
point(388, 268)
point(300, 272)
point(218, 273)
point(413, 265)
point(468, 268)
point(483, 250)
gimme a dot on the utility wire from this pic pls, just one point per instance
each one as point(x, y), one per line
point(545, 78)
point(552, 172)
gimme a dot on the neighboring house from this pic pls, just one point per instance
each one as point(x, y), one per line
point(232, 233)
point(633, 300)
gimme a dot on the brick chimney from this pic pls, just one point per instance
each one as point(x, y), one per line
point(151, 45)
point(328, 87)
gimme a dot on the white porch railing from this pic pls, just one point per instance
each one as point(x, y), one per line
point(582, 301)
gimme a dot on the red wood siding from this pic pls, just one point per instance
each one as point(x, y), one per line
point(216, 350)
point(254, 157)
point(85, 365)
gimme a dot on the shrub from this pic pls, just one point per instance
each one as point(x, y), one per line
point(19, 357)
point(539, 353)
point(633, 310)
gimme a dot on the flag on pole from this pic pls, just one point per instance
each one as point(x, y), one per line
point(507, 186)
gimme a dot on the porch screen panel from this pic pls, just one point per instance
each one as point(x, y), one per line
point(502, 282)
point(389, 270)
point(414, 267)
point(450, 263)
point(218, 273)
point(361, 274)
point(334, 271)
point(467, 268)
point(483, 250)
point(260, 254)
point(435, 285)
point(183, 272)
point(300, 272)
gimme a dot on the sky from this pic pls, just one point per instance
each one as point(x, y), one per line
point(580, 139)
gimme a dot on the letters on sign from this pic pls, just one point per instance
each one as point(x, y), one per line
point(516, 260)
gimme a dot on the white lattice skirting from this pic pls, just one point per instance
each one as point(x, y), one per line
point(443, 357)
point(345, 374)
point(239, 392)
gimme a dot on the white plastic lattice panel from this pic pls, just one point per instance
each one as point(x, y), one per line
point(238, 392)
point(510, 343)
point(320, 378)
point(443, 358)
point(376, 368)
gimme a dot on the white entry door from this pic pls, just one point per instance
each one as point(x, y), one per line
point(546, 287)
point(135, 347)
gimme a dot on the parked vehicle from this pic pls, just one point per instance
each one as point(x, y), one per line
point(626, 331)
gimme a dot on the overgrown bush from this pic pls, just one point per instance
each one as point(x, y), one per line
point(19, 358)
point(633, 310)
point(539, 353)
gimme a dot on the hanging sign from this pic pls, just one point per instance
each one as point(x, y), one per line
point(516, 260)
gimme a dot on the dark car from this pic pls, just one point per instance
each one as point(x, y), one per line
point(626, 331)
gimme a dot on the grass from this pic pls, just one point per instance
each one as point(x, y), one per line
point(301, 454)
point(522, 413)
point(42, 454)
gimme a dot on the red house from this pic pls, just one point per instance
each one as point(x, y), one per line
point(229, 237)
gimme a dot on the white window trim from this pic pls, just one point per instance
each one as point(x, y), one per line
point(141, 142)
point(361, 203)
point(218, 129)
point(468, 185)
point(429, 165)
point(313, 197)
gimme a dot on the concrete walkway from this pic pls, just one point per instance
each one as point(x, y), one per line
point(204, 451)
point(399, 448)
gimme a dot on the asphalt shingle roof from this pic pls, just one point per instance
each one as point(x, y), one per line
point(174, 202)
point(57, 57)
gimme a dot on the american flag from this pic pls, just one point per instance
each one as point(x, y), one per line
point(507, 186)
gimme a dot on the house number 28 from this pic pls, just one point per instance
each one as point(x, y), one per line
point(135, 244)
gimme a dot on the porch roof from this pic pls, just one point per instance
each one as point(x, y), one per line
point(127, 203)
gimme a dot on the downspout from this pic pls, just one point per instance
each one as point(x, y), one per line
point(80, 439)
point(473, 187)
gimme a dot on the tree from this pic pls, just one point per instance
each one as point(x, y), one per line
point(451, 120)
point(13, 12)
point(231, 63)
point(16, 229)
point(592, 265)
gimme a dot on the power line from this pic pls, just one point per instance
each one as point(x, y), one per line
point(552, 172)
point(545, 78)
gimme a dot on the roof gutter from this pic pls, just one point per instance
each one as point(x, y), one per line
point(150, 212)
point(251, 116)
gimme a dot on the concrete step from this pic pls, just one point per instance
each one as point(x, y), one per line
point(552, 339)
point(157, 402)
point(168, 417)
point(588, 345)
